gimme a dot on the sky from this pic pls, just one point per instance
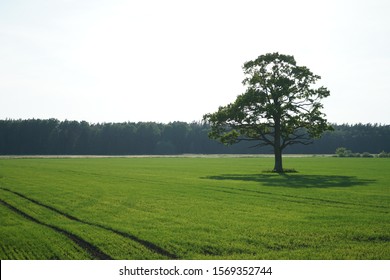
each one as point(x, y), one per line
point(175, 60)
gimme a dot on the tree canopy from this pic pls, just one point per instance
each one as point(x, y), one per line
point(279, 108)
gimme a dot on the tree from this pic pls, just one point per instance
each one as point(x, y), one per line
point(343, 152)
point(279, 107)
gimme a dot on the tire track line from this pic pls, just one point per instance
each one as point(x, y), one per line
point(92, 250)
point(300, 199)
point(149, 245)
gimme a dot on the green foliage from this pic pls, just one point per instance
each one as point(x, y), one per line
point(195, 208)
point(343, 152)
point(279, 108)
point(45, 137)
point(278, 93)
point(383, 154)
point(367, 155)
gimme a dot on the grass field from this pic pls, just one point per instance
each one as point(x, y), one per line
point(194, 208)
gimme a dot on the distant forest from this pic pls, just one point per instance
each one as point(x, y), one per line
point(54, 137)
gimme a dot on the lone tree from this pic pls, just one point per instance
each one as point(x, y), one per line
point(279, 107)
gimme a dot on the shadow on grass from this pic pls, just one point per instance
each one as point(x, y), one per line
point(296, 180)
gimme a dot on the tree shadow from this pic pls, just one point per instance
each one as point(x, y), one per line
point(296, 180)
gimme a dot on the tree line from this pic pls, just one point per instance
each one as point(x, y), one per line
point(54, 137)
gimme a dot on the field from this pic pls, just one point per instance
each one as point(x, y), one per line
point(194, 208)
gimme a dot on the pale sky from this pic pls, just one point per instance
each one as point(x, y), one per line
point(175, 60)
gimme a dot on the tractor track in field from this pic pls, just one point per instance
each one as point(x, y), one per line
point(300, 199)
point(92, 250)
point(149, 245)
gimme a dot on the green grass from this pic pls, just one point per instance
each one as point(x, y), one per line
point(194, 208)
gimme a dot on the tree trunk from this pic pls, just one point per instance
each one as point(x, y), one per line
point(277, 147)
point(278, 159)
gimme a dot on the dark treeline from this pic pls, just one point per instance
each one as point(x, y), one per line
point(54, 137)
